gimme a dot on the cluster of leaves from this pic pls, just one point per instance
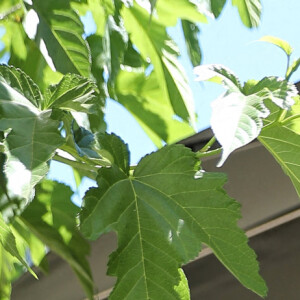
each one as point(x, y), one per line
point(52, 99)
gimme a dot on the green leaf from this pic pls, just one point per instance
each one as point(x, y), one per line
point(218, 74)
point(237, 120)
point(59, 36)
point(114, 44)
point(142, 96)
point(191, 32)
point(292, 68)
point(249, 10)
point(284, 144)
point(37, 248)
point(98, 10)
point(161, 215)
point(35, 66)
point(73, 93)
point(117, 149)
point(183, 288)
point(8, 242)
point(51, 216)
point(21, 82)
point(285, 46)
point(170, 11)
point(31, 137)
point(278, 90)
point(217, 7)
point(154, 44)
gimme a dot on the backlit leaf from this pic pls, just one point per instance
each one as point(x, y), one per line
point(142, 96)
point(8, 242)
point(57, 30)
point(278, 90)
point(156, 47)
point(285, 46)
point(51, 216)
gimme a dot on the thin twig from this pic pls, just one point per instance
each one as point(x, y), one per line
point(208, 145)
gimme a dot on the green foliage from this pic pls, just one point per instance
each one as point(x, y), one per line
point(52, 102)
point(52, 218)
point(162, 214)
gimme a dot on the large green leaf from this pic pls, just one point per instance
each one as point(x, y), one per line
point(51, 216)
point(249, 10)
point(156, 47)
point(142, 96)
point(31, 139)
point(162, 214)
point(284, 144)
point(58, 33)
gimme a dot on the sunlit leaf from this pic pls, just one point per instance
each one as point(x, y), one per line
point(51, 216)
point(278, 90)
point(237, 120)
point(57, 30)
point(154, 45)
point(285, 46)
point(162, 214)
point(218, 74)
point(8, 242)
point(250, 11)
point(31, 138)
point(142, 96)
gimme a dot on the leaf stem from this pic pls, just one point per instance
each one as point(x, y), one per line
point(208, 145)
point(200, 154)
point(281, 115)
point(287, 67)
point(89, 170)
point(12, 10)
